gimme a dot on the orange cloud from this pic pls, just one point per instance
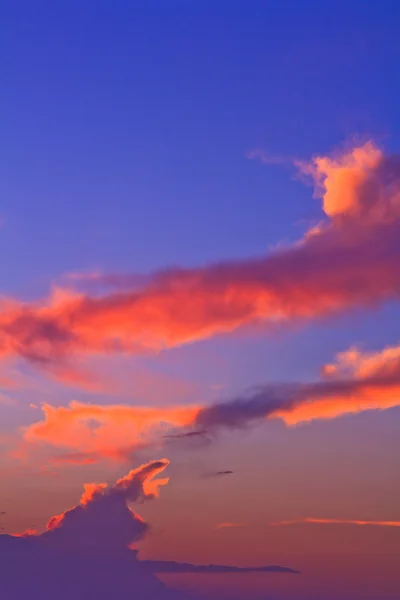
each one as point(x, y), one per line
point(359, 397)
point(149, 484)
point(90, 490)
point(341, 179)
point(86, 433)
point(351, 259)
point(356, 363)
point(91, 432)
point(338, 522)
point(26, 533)
point(229, 525)
point(356, 382)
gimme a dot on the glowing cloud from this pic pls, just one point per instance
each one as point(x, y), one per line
point(84, 434)
point(350, 260)
point(356, 383)
point(91, 432)
point(337, 522)
point(102, 520)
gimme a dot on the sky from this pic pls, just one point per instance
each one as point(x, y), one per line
point(199, 225)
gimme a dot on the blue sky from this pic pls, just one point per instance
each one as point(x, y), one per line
point(126, 127)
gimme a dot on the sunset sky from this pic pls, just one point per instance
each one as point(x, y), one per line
point(200, 232)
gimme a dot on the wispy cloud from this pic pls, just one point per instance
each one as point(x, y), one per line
point(349, 261)
point(337, 522)
point(229, 525)
point(218, 474)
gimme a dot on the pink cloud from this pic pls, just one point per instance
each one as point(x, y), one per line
point(87, 433)
point(349, 261)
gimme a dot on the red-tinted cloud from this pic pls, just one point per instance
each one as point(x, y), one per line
point(338, 522)
point(356, 382)
point(102, 521)
point(349, 260)
point(86, 433)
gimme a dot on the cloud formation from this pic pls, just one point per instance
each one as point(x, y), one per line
point(297, 403)
point(229, 525)
point(86, 552)
point(350, 260)
point(219, 474)
point(102, 521)
point(337, 522)
point(87, 433)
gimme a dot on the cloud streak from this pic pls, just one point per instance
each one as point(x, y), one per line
point(310, 520)
point(229, 525)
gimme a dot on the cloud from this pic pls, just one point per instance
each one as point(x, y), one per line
point(89, 526)
point(86, 552)
point(229, 525)
point(337, 522)
point(356, 383)
point(350, 260)
point(298, 403)
point(219, 474)
point(87, 433)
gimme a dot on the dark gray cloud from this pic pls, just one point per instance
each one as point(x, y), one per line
point(219, 474)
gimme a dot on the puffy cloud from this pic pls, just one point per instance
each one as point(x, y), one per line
point(355, 363)
point(86, 552)
point(86, 433)
point(350, 260)
point(360, 186)
point(102, 521)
